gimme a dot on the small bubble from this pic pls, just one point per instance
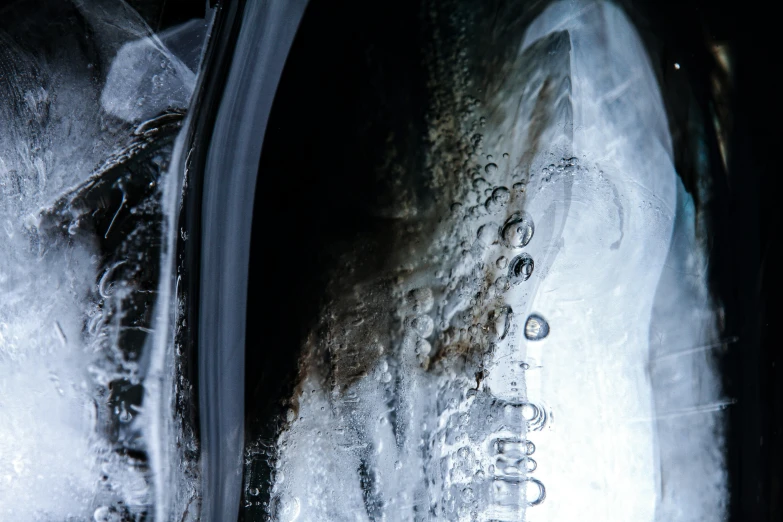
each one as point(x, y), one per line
point(530, 465)
point(502, 262)
point(505, 155)
point(534, 490)
point(491, 168)
point(288, 509)
point(124, 415)
point(253, 492)
point(518, 230)
point(498, 199)
point(487, 234)
point(422, 299)
point(529, 411)
point(521, 268)
point(536, 327)
point(423, 347)
point(501, 319)
point(423, 325)
point(479, 184)
point(502, 284)
point(489, 156)
point(105, 514)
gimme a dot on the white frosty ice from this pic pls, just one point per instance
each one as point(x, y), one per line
point(55, 461)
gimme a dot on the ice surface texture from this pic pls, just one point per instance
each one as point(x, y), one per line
point(68, 451)
point(439, 378)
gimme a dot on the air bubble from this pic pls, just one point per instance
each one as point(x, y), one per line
point(423, 347)
point(502, 284)
point(498, 199)
point(501, 318)
point(423, 325)
point(518, 230)
point(502, 262)
point(491, 168)
point(521, 268)
point(539, 494)
point(422, 299)
point(487, 234)
point(536, 327)
point(535, 417)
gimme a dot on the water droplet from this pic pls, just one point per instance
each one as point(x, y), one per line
point(536, 327)
point(502, 262)
point(521, 268)
point(530, 465)
point(518, 230)
point(491, 168)
point(253, 492)
point(530, 448)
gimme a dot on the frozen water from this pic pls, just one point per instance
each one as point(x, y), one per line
point(579, 123)
point(70, 449)
point(144, 80)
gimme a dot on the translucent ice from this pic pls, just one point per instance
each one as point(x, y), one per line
point(575, 124)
